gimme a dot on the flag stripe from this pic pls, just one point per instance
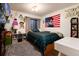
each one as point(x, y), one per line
point(56, 20)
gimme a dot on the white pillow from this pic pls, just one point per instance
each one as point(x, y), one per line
point(59, 34)
point(39, 29)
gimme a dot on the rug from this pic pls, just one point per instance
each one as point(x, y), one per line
point(23, 48)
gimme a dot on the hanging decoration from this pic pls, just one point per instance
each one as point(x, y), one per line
point(21, 25)
point(4, 12)
point(72, 12)
point(53, 21)
point(21, 17)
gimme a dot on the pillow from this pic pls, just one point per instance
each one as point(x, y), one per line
point(39, 29)
point(35, 30)
point(60, 34)
point(46, 31)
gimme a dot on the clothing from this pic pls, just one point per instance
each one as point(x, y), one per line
point(15, 24)
point(15, 27)
point(6, 8)
point(8, 26)
point(21, 33)
point(21, 30)
point(2, 20)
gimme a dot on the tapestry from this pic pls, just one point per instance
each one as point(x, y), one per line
point(53, 21)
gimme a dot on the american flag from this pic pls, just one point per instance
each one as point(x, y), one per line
point(56, 20)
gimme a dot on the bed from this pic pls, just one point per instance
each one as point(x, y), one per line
point(42, 39)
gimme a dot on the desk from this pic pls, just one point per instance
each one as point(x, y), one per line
point(68, 46)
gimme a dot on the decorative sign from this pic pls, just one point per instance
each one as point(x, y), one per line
point(53, 21)
point(72, 12)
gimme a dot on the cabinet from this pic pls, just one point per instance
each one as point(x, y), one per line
point(75, 27)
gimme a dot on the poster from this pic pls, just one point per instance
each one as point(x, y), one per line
point(53, 21)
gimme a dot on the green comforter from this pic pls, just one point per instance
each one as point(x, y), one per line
point(42, 39)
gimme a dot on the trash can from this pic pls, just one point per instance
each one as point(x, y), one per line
point(8, 38)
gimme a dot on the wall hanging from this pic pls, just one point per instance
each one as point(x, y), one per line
point(21, 25)
point(21, 17)
point(53, 21)
point(72, 12)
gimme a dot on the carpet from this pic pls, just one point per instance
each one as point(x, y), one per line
point(23, 48)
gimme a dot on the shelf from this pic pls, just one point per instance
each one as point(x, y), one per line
point(74, 24)
point(74, 27)
point(74, 30)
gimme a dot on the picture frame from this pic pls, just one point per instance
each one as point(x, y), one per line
point(74, 33)
point(74, 27)
point(74, 20)
point(53, 21)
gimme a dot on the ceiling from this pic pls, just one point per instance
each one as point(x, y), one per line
point(43, 8)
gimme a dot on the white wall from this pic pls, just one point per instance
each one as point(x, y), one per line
point(64, 22)
point(15, 14)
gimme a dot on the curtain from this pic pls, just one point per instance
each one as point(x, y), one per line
point(34, 23)
point(31, 23)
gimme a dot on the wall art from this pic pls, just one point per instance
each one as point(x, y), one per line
point(53, 21)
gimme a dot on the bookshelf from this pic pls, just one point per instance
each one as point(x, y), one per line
point(74, 27)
